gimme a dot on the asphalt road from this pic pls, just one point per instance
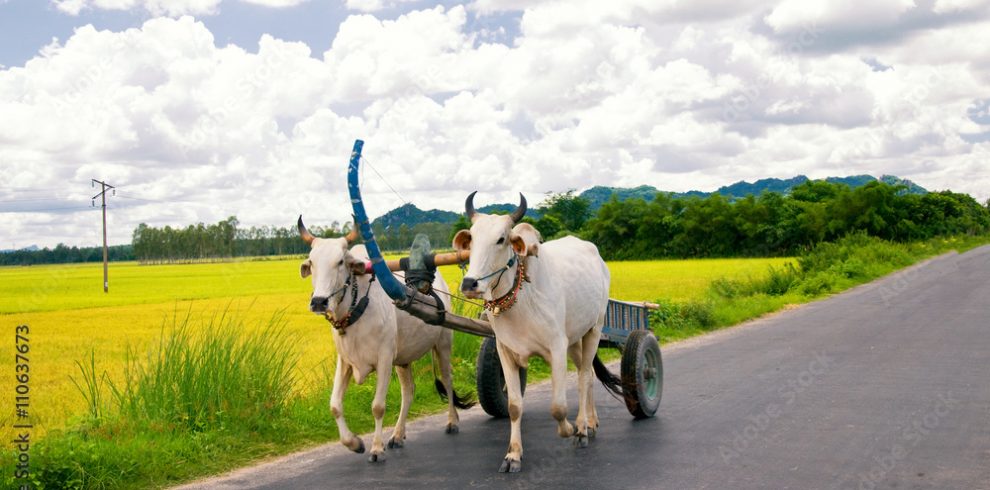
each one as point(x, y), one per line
point(884, 386)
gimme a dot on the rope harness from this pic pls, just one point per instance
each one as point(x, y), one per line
point(508, 300)
point(422, 281)
point(356, 309)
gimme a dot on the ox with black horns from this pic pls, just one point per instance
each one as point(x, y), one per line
point(370, 334)
point(543, 299)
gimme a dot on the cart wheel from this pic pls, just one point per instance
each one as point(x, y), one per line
point(642, 373)
point(491, 381)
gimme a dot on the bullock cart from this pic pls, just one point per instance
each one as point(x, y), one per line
point(626, 324)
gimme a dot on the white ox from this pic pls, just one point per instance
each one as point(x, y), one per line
point(558, 309)
point(380, 338)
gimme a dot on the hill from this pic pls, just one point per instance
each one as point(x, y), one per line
point(410, 215)
point(599, 194)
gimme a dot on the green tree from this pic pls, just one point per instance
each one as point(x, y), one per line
point(571, 210)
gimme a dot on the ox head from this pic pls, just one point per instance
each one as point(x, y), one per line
point(329, 263)
point(492, 240)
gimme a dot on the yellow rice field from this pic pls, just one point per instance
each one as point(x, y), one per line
point(69, 315)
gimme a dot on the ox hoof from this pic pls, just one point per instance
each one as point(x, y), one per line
point(376, 458)
point(394, 443)
point(452, 429)
point(592, 432)
point(580, 441)
point(510, 466)
point(360, 446)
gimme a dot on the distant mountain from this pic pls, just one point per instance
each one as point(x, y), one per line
point(743, 188)
point(852, 181)
point(30, 248)
point(598, 195)
point(784, 186)
point(506, 208)
point(912, 188)
point(410, 215)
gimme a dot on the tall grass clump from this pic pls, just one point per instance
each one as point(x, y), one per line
point(776, 282)
point(218, 374)
point(206, 396)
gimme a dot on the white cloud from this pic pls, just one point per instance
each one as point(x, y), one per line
point(170, 8)
point(416, 52)
point(276, 3)
point(794, 15)
point(374, 5)
point(71, 7)
point(947, 6)
point(613, 95)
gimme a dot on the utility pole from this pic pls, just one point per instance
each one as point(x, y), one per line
point(103, 198)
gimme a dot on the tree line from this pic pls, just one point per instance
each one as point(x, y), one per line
point(64, 254)
point(224, 240)
point(776, 224)
point(219, 241)
point(664, 227)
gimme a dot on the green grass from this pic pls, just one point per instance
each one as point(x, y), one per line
point(828, 268)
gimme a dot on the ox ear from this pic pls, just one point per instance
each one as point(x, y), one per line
point(354, 264)
point(306, 268)
point(525, 240)
point(462, 240)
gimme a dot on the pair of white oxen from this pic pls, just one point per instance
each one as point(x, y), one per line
point(546, 299)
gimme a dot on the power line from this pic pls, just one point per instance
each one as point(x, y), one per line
point(368, 163)
point(35, 199)
point(123, 196)
point(45, 210)
point(31, 189)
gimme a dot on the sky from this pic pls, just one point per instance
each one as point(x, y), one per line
point(197, 110)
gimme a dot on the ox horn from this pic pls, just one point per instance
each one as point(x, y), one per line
point(520, 211)
point(353, 234)
point(469, 206)
point(304, 233)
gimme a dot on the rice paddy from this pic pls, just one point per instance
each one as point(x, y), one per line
point(71, 318)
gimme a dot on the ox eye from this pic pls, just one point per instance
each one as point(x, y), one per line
point(500, 241)
point(341, 262)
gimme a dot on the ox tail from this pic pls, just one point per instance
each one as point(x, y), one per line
point(612, 383)
point(461, 402)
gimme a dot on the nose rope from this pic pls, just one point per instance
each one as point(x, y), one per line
point(357, 306)
point(347, 283)
point(510, 263)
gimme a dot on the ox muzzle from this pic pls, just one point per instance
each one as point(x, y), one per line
point(319, 304)
point(469, 286)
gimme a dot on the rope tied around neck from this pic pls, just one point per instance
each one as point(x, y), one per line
point(356, 308)
point(502, 304)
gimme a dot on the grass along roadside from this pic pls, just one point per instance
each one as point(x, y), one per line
point(826, 269)
point(128, 448)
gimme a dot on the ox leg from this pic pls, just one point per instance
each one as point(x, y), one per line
point(408, 391)
point(443, 356)
point(576, 351)
point(341, 379)
point(384, 370)
point(592, 411)
point(558, 383)
point(590, 350)
point(513, 458)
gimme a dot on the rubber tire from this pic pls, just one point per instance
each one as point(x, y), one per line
point(491, 381)
point(640, 348)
